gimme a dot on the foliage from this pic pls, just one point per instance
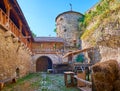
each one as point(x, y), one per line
point(97, 14)
point(78, 46)
point(98, 10)
point(28, 77)
point(90, 31)
point(40, 82)
point(81, 23)
point(80, 58)
point(55, 30)
point(81, 19)
point(33, 34)
point(22, 82)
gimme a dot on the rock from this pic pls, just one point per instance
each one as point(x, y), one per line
point(106, 76)
point(1, 85)
point(117, 85)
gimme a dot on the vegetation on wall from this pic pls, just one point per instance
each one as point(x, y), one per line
point(55, 30)
point(80, 58)
point(98, 15)
point(81, 23)
point(99, 9)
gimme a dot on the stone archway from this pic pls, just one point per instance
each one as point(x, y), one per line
point(43, 63)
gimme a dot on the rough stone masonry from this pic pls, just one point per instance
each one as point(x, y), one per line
point(15, 60)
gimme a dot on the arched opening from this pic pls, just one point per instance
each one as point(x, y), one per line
point(17, 72)
point(43, 64)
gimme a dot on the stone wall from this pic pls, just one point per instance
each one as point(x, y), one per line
point(107, 44)
point(56, 59)
point(67, 27)
point(103, 33)
point(13, 55)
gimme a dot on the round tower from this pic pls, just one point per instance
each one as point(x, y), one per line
point(67, 27)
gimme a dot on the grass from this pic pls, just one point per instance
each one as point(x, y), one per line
point(28, 80)
point(40, 82)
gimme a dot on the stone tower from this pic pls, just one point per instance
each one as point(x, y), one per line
point(67, 27)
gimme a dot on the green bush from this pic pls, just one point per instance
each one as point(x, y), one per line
point(80, 58)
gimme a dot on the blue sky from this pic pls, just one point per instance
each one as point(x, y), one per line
point(41, 14)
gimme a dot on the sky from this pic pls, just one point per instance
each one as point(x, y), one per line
point(41, 14)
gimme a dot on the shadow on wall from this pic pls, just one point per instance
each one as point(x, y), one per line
point(94, 55)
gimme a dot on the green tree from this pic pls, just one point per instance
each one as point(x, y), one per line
point(80, 58)
point(55, 30)
point(33, 34)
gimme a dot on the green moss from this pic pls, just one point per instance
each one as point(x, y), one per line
point(100, 14)
point(22, 81)
point(28, 77)
point(89, 32)
point(55, 30)
point(40, 82)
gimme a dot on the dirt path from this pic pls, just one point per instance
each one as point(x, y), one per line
point(40, 82)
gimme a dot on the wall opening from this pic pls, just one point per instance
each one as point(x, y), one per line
point(43, 64)
point(17, 72)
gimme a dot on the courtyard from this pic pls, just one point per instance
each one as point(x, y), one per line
point(40, 82)
point(80, 52)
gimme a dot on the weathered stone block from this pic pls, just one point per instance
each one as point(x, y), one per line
point(106, 76)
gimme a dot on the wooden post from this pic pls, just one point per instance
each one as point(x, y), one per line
point(8, 14)
point(93, 83)
point(71, 74)
point(70, 57)
point(27, 43)
point(1, 16)
point(87, 73)
point(8, 10)
point(65, 79)
point(1, 85)
point(81, 75)
point(20, 24)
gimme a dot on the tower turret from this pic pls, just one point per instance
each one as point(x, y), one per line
point(67, 27)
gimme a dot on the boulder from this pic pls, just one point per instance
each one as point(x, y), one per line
point(105, 75)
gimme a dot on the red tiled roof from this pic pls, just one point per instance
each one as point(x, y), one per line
point(48, 39)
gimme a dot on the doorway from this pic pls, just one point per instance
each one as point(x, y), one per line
point(43, 64)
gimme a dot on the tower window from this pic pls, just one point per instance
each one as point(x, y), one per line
point(61, 19)
point(65, 30)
